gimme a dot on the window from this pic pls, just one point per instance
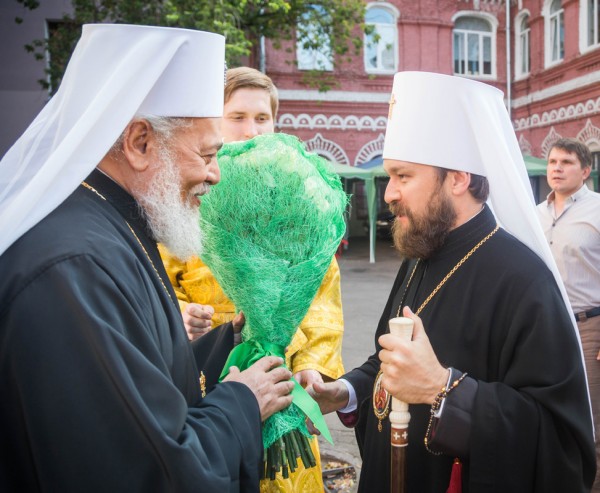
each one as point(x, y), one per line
point(555, 33)
point(592, 182)
point(523, 54)
point(313, 46)
point(474, 47)
point(595, 160)
point(381, 44)
point(591, 23)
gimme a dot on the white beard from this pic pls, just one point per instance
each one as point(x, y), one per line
point(173, 223)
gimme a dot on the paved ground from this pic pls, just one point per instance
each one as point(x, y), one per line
point(365, 289)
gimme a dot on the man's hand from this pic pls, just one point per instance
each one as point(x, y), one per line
point(411, 370)
point(197, 320)
point(330, 396)
point(238, 322)
point(308, 377)
point(269, 381)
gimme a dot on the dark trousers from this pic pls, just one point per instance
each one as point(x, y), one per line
point(589, 331)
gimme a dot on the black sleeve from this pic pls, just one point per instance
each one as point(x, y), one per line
point(86, 367)
point(211, 352)
point(451, 432)
point(535, 420)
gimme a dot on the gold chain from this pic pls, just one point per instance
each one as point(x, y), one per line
point(382, 413)
point(443, 281)
point(380, 393)
point(406, 288)
point(92, 189)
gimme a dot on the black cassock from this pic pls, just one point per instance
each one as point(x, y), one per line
point(500, 318)
point(99, 386)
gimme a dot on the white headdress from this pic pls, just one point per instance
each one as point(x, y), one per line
point(461, 124)
point(115, 73)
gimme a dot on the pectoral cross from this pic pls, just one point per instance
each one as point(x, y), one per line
point(392, 103)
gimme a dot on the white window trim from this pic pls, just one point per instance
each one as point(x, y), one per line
point(548, 62)
point(396, 14)
point(518, 48)
point(493, 22)
point(583, 22)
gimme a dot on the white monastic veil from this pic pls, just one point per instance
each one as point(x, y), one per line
point(115, 73)
point(461, 124)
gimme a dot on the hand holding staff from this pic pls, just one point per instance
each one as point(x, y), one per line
point(399, 417)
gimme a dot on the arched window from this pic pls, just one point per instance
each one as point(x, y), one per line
point(555, 32)
point(474, 47)
point(381, 42)
point(522, 50)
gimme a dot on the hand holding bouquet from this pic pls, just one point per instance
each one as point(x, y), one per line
point(271, 229)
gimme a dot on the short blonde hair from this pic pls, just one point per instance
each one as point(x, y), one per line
point(247, 77)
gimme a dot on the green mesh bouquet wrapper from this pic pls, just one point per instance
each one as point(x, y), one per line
point(271, 229)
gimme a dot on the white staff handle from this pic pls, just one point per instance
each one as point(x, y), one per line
point(399, 417)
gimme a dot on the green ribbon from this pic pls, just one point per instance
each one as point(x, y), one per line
point(249, 352)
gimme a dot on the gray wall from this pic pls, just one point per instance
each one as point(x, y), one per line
point(21, 96)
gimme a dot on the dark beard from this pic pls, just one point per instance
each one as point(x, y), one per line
point(426, 234)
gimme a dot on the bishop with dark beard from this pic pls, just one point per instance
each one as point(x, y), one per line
point(493, 374)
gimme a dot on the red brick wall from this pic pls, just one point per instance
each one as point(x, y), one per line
point(350, 130)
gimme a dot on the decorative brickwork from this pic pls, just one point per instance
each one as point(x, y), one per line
point(370, 150)
point(327, 148)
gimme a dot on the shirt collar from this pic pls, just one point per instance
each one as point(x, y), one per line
point(573, 197)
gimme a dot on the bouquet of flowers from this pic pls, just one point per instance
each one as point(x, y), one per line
point(270, 230)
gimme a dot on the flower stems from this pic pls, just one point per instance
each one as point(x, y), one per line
point(282, 456)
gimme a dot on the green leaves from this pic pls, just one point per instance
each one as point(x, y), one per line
point(30, 4)
point(334, 24)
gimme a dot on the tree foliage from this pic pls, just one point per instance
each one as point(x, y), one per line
point(315, 23)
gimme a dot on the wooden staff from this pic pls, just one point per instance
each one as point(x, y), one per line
point(399, 417)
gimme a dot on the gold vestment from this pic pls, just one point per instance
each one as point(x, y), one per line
point(317, 344)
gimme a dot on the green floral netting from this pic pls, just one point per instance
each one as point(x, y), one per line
point(271, 229)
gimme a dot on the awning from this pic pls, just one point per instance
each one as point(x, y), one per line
point(368, 176)
point(373, 169)
point(536, 166)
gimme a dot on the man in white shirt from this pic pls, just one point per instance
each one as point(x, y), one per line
point(570, 219)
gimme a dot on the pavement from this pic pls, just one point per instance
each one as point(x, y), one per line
point(365, 290)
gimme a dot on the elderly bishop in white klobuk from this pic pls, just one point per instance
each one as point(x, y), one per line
point(100, 388)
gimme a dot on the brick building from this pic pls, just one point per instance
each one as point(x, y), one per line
point(556, 77)
point(554, 64)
